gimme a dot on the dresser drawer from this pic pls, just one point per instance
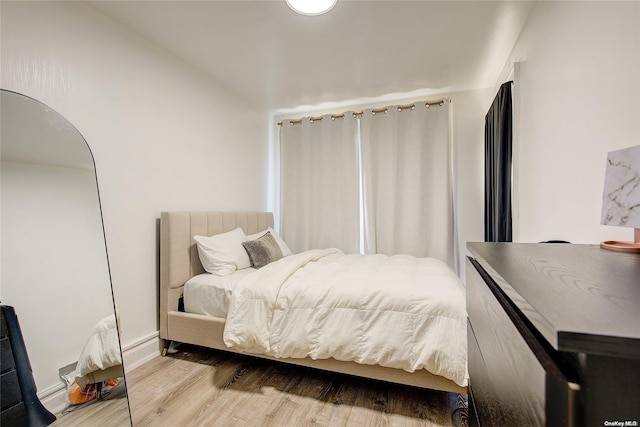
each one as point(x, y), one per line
point(4, 332)
point(6, 356)
point(476, 365)
point(14, 416)
point(10, 390)
point(512, 378)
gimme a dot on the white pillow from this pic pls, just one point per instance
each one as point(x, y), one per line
point(283, 246)
point(223, 254)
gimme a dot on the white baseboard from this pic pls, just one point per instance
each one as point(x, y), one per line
point(54, 398)
point(140, 352)
point(133, 355)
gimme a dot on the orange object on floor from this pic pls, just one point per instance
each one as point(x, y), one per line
point(78, 396)
point(89, 392)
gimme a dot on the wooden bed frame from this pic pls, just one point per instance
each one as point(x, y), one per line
point(179, 262)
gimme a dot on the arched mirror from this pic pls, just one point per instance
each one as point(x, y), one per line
point(54, 268)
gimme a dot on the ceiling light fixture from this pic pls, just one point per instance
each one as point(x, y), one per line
point(311, 7)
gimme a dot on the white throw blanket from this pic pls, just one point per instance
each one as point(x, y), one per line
point(395, 311)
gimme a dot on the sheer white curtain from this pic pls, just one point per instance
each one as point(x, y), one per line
point(408, 202)
point(319, 172)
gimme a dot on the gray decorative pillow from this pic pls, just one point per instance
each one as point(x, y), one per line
point(263, 250)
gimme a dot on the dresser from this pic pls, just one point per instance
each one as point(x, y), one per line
point(553, 335)
point(20, 404)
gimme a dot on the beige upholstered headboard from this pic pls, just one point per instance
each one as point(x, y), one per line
point(179, 259)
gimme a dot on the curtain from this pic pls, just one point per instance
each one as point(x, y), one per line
point(320, 198)
point(497, 161)
point(407, 188)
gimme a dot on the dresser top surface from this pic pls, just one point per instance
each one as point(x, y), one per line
point(580, 297)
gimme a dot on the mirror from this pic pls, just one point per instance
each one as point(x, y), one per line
point(54, 268)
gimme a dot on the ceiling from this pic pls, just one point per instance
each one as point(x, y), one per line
point(282, 61)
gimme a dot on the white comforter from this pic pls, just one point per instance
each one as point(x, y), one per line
point(399, 312)
point(102, 350)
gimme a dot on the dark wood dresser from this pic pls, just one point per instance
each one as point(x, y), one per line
point(20, 404)
point(554, 335)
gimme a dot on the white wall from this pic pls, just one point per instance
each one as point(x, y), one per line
point(54, 271)
point(579, 97)
point(164, 137)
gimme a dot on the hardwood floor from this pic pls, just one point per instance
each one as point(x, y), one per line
point(203, 387)
point(110, 412)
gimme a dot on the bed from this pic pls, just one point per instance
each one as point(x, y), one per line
point(100, 359)
point(180, 263)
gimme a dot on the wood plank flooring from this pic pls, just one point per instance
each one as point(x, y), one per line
point(113, 411)
point(203, 387)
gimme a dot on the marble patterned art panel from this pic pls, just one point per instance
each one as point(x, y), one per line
point(621, 198)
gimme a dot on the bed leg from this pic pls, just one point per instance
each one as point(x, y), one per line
point(99, 390)
point(165, 349)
